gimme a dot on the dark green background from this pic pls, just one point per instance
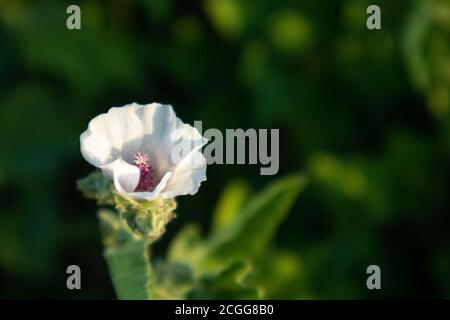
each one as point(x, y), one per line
point(365, 114)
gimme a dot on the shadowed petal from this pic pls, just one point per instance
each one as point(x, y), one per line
point(188, 176)
point(124, 175)
point(96, 148)
point(158, 122)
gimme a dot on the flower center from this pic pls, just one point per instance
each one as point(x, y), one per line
point(146, 173)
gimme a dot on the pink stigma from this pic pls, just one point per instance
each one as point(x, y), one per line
point(146, 173)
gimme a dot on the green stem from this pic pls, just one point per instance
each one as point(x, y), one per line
point(129, 266)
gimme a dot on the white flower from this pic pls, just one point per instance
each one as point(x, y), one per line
point(134, 145)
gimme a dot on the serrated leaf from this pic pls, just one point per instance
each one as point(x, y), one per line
point(187, 246)
point(230, 201)
point(230, 283)
point(171, 280)
point(254, 226)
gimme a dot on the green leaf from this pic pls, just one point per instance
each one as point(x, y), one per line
point(129, 266)
point(187, 247)
point(171, 280)
point(281, 276)
point(230, 283)
point(174, 280)
point(418, 24)
point(230, 201)
point(254, 226)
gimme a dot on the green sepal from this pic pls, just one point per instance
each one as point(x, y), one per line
point(96, 186)
point(147, 219)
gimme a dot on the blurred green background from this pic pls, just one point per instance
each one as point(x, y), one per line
point(365, 114)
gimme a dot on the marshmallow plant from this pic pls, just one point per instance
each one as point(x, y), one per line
point(146, 157)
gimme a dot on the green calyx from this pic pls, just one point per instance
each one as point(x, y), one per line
point(147, 219)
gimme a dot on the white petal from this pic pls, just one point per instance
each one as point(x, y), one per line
point(186, 135)
point(158, 122)
point(155, 193)
point(188, 163)
point(112, 135)
point(162, 131)
point(124, 175)
point(188, 176)
point(95, 148)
